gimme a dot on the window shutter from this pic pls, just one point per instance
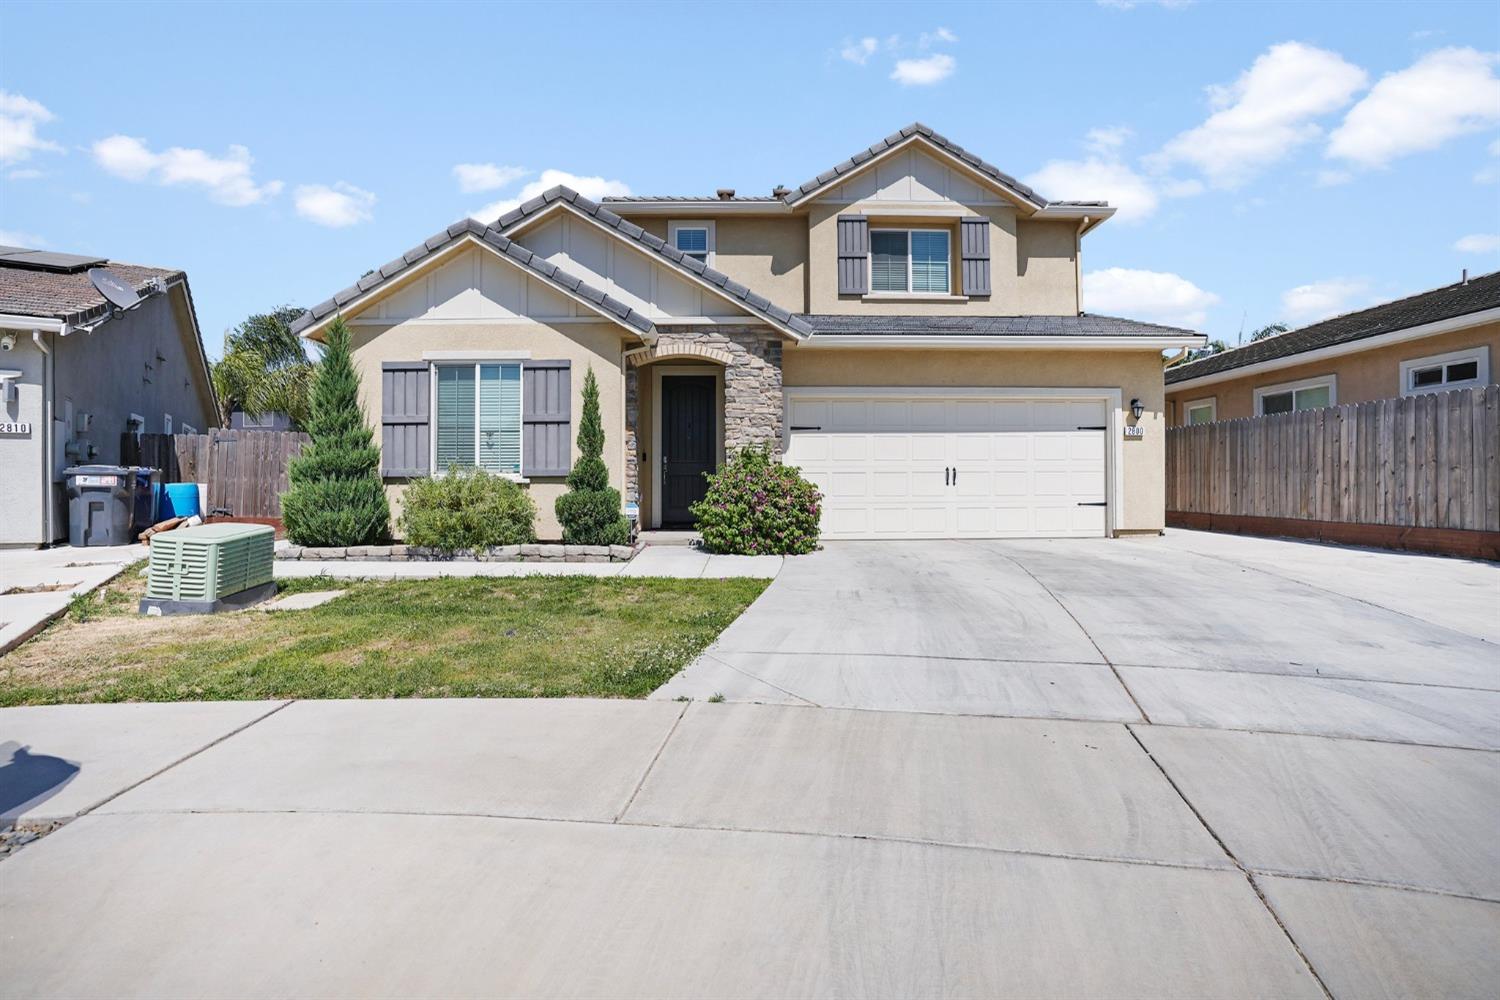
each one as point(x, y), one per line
point(854, 251)
point(546, 418)
point(974, 239)
point(405, 387)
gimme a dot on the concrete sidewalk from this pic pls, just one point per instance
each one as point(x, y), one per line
point(610, 848)
point(677, 561)
point(72, 571)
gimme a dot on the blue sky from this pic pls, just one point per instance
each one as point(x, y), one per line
point(1270, 161)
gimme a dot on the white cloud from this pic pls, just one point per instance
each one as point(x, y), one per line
point(1442, 95)
point(927, 40)
point(1098, 177)
point(592, 188)
point(1133, 4)
point(19, 118)
point(1321, 299)
point(924, 72)
point(27, 174)
point(1172, 188)
point(227, 179)
point(860, 51)
point(1479, 243)
point(486, 176)
point(1108, 139)
point(16, 238)
point(341, 205)
point(1265, 114)
point(1148, 295)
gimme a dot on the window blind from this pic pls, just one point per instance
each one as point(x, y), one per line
point(500, 418)
point(888, 261)
point(455, 416)
point(929, 262)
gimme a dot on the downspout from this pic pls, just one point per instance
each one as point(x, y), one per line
point(49, 383)
point(1078, 264)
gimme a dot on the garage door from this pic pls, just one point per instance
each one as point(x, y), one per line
point(925, 466)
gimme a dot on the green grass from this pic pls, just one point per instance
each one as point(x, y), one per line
point(496, 637)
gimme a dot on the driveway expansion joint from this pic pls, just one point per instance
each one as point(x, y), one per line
point(654, 758)
point(806, 702)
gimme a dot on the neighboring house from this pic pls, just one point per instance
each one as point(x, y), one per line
point(905, 328)
point(1443, 339)
point(77, 373)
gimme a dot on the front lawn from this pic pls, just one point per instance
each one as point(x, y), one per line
point(475, 637)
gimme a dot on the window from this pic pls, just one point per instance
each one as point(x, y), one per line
point(1441, 372)
point(166, 423)
point(1200, 411)
point(135, 424)
point(909, 260)
point(478, 417)
point(695, 239)
point(1311, 394)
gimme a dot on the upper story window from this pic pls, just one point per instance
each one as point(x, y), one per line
point(1200, 411)
point(1441, 372)
point(478, 421)
point(1310, 394)
point(910, 260)
point(695, 239)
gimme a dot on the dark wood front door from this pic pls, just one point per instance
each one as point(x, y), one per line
point(688, 443)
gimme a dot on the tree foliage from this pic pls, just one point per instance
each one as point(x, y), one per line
point(336, 497)
point(1269, 330)
point(265, 368)
point(590, 511)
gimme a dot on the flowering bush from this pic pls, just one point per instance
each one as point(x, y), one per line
point(757, 506)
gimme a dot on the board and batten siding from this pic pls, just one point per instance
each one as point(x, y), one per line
point(405, 414)
point(1428, 461)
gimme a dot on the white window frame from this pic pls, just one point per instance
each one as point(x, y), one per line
point(1212, 402)
point(1331, 381)
point(705, 224)
point(166, 423)
point(1479, 355)
point(135, 424)
point(908, 230)
point(189, 429)
point(432, 393)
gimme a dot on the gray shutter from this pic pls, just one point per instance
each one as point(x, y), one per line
point(854, 253)
point(546, 418)
point(405, 390)
point(974, 239)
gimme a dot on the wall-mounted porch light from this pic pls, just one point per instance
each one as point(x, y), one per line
point(1137, 408)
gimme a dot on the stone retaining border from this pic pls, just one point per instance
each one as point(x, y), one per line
point(502, 553)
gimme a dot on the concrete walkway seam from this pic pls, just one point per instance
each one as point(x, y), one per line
point(1249, 876)
point(806, 702)
point(652, 763)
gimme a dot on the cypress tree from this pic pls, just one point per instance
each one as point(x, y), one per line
point(336, 497)
point(590, 511)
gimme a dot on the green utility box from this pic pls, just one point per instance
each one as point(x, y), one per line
point(213, 567)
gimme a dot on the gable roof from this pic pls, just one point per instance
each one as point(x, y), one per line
point(512, 251)
point(918, 131)
point(66, 294)
point(1448, 302)
point(782, 319)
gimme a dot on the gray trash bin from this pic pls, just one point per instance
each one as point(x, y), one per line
point(101, 504)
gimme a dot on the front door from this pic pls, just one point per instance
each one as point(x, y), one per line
point(688, 443)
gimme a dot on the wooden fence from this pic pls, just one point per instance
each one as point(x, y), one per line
point(245, 470)
point(1430, 461)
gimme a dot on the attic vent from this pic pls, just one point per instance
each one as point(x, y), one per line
point(725, 194)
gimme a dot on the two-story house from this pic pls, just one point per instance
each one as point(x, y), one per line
point(905, 327)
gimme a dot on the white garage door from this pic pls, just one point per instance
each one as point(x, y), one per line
point(927, 466)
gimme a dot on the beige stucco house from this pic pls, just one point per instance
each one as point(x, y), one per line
point(1435, 341)
point(77, 373)
point(905, 327)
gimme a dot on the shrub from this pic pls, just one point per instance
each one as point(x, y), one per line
point(336, 497)
point(590, 511)
point(757, 506)
point(467, 509)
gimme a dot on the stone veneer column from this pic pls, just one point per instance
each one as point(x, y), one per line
point(752, 381)
point(632, 443)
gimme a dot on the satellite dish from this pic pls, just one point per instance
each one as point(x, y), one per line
point(113, 287)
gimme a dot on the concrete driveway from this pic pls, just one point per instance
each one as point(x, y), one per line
point(1188, 630)
point(1034, 812)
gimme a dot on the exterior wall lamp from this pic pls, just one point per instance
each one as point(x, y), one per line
point(1137, 408)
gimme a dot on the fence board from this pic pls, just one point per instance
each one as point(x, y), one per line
point(1421, 461)
point(246, 471)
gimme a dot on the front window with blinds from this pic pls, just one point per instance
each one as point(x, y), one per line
point(478, 421)
point(910, 260)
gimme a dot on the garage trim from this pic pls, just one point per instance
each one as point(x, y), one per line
point(1114, 457)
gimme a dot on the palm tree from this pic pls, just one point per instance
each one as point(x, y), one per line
point(1269, 330)
point(265, 368)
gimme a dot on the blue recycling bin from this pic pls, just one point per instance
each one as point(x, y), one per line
point(178, 500)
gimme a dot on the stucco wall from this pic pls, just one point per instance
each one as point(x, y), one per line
point(1373, 374)
point(21, 502)
point(1137, 374)
point(600, 345)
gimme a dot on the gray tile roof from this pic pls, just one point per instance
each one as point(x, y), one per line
point(1447, 302)
point(538, 266)
point(756, 304)
point(69, 296)
point(1086, 325)
point(836, 172)
point(628, 198)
